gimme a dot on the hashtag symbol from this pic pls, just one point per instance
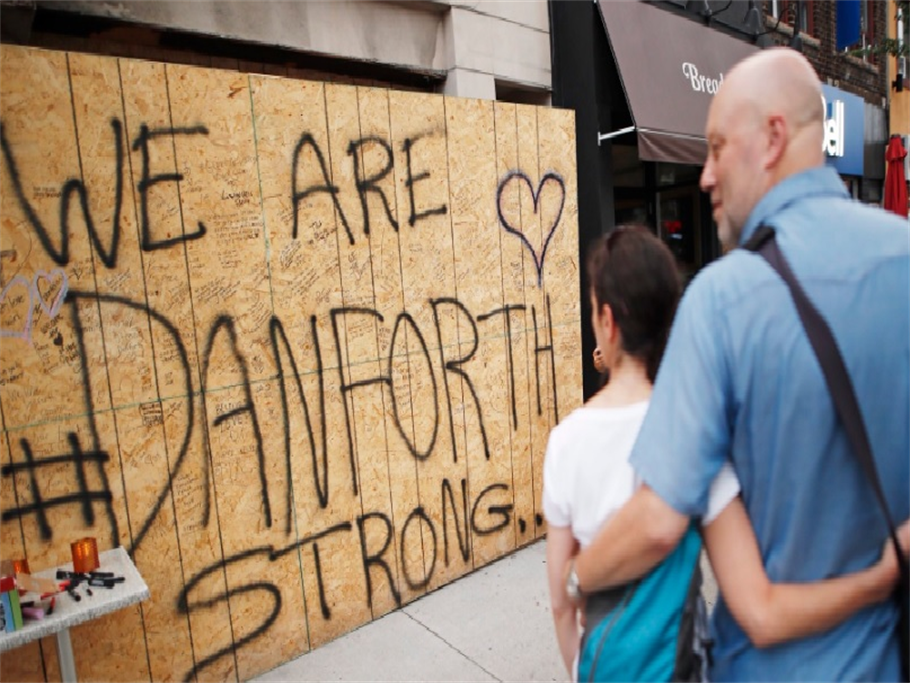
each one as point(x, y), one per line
point(39, 505)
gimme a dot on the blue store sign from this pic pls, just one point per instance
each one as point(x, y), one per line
point(844, 124)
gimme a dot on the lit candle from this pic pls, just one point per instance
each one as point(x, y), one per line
point(85, 555)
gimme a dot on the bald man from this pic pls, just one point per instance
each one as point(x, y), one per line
point(740, 381)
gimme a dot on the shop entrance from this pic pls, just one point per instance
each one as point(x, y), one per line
point(667, 199)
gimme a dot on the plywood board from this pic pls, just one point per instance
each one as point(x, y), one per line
point(484, 387)
point(25, 665)
point(303, 231)
point(363, 165)
point(562, 266)
point(289, 354)
point(519, 278)
point(185, 485)
point(145, 474)
point(418, 126)
point(540, 201)
point(43, 336)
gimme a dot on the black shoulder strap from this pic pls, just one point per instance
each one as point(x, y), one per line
point(832, 363)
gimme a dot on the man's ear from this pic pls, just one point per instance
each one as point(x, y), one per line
point(778, 139)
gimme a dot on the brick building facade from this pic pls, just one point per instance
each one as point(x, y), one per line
point(863, 77)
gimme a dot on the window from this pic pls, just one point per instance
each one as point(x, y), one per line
point(867, 22)
point(867, 31)
point(903, 37)
point(786, 11)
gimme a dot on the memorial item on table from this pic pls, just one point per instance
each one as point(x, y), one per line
point(85, 555)
point(10, 609)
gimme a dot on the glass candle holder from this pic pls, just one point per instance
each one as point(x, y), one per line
point(20, 567)
point(85, 555)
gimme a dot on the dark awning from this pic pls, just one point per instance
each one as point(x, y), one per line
point(670, 68)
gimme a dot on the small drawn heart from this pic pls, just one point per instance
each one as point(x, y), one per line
point(26, 332)
point(550, 176)
point(51, 278)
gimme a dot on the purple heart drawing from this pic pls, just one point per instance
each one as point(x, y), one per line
point(547, 177)
point(26, 332)
point(51, 278)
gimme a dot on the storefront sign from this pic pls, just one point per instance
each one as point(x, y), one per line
point(670, 68)
point(843, 138)
point(700, 82)
point(833, 142)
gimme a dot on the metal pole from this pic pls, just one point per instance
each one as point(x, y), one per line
point(796, 42)
point(65, 656)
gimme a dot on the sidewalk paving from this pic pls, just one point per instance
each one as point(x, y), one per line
point(491, 625)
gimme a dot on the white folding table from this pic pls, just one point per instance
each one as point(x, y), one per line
point(68, 613)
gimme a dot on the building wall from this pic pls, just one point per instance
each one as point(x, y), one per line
point(469, 49)
point(852, 74)
point(900, 101)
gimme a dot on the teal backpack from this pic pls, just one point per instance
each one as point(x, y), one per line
point(654, 629)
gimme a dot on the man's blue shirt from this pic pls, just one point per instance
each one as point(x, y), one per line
point(739, 380)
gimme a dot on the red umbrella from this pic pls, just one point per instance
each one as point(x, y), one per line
point(895, 182)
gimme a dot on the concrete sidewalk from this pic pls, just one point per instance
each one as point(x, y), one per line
point(491, 625)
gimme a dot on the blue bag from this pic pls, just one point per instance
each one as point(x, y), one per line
point(654, 629)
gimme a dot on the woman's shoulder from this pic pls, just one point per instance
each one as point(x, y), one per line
point(589, 420)
point(578, 420)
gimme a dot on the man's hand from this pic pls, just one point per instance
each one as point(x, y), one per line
point(888, 563)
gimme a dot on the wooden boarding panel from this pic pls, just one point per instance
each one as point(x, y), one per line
point(263, 332)
point(178, 406)
point(157, 210)
point(412, 121)
point(472, 175)
point(539, 199)
point(129, 359)
point(42, 335)
point(51, 463)
point(417, 126)
point(562, 266)
point(304, 231)
point(253, 550)
point(192, 487)
point(385, 268)
point(112, 648)
point(99, 115)
point(215, 153)
point(23, 664)
point(26, 665)
point(362, 166)
point(158, 558)
point(518, 190)
point(519, 277)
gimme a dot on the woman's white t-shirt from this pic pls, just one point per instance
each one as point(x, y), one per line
point(587, 477)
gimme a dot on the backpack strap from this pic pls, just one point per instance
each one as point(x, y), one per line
point(840, 386)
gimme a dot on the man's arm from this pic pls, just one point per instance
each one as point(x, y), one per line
point(636, 539)
point(772, 613)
